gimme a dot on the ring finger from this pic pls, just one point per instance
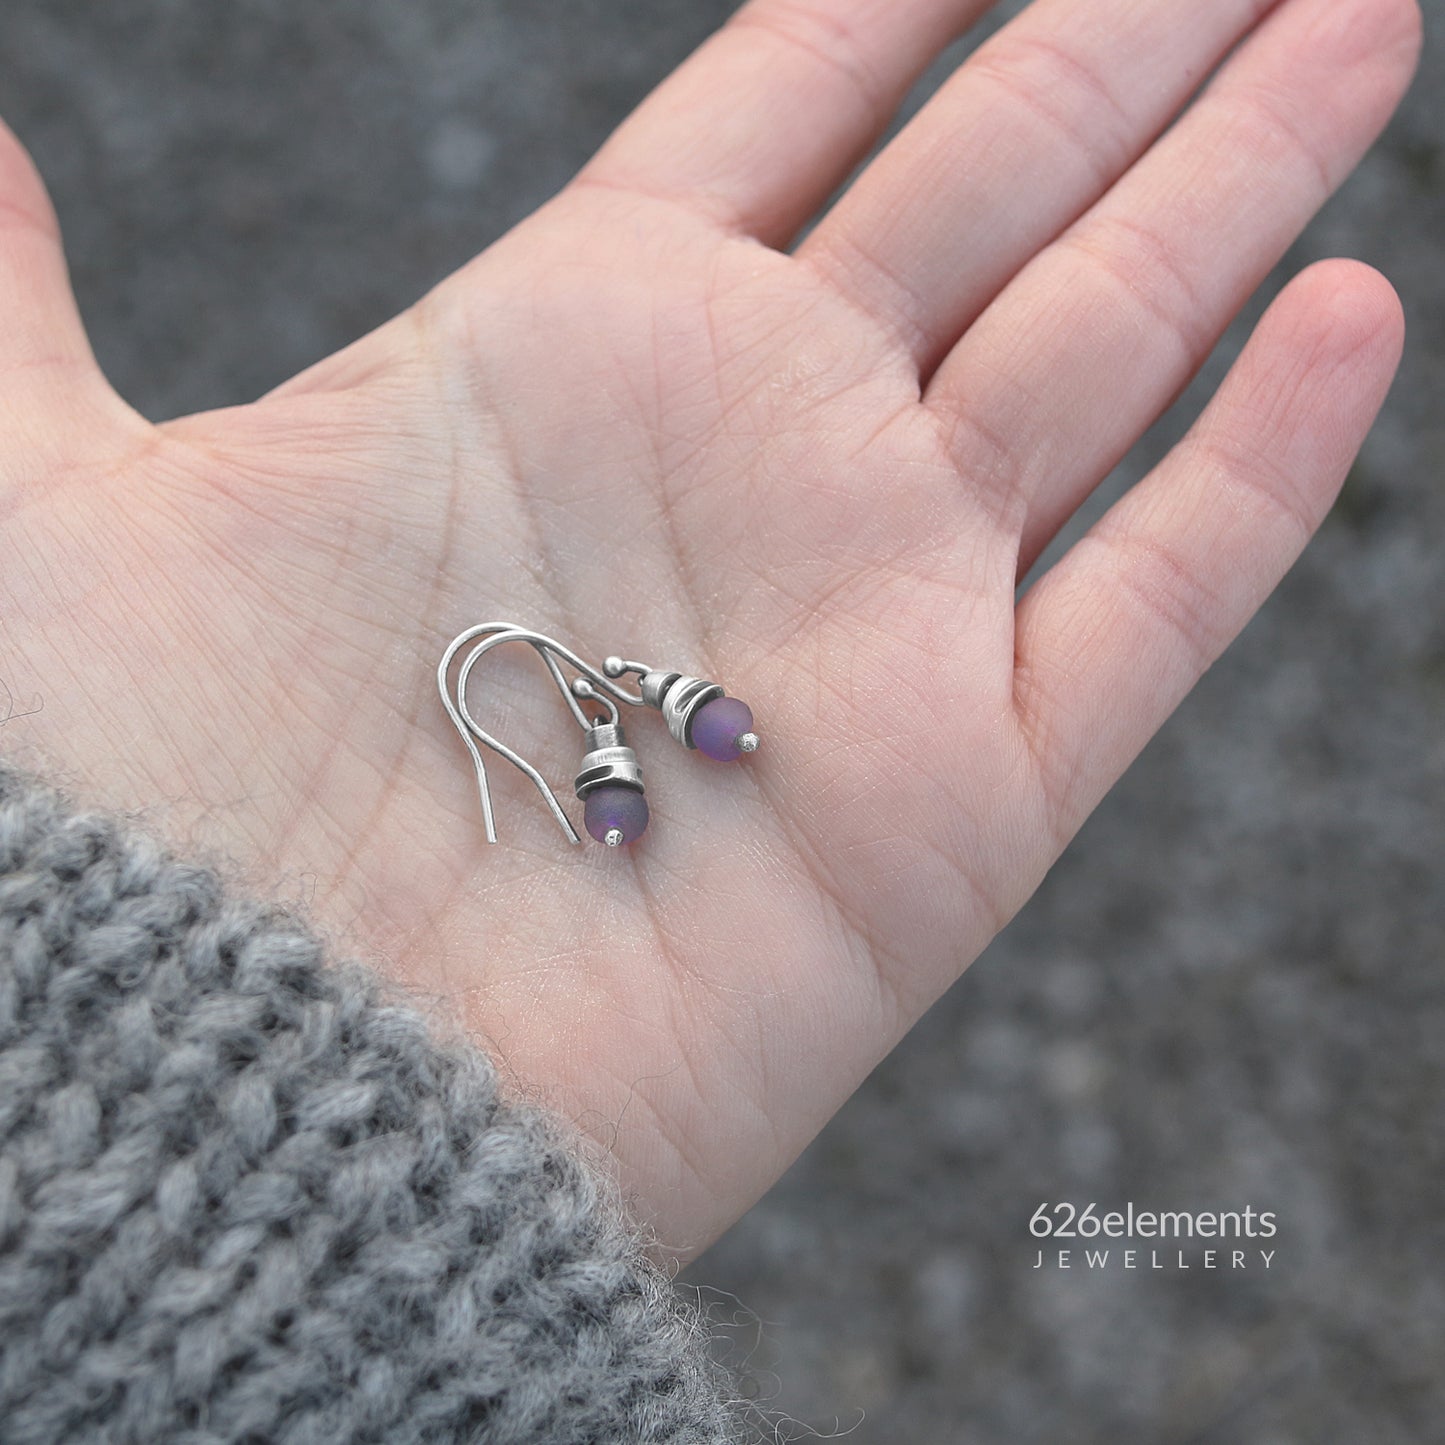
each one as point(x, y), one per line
point(1094, 338)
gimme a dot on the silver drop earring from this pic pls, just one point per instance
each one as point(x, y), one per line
point(698, 714)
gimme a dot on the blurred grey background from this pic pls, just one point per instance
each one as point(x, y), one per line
point(1229, 992)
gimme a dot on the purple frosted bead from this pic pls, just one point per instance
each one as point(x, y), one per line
point(718, 725)
point(611, 807)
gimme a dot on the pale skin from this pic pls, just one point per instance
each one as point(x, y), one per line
point(648, 423)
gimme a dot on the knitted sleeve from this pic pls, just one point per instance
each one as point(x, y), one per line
point(246, 1198)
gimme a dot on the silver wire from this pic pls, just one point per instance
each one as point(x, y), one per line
point(493, 634)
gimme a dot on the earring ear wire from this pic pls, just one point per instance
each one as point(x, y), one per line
point(698, 714)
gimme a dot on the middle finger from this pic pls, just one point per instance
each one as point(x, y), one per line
point(1028, 133)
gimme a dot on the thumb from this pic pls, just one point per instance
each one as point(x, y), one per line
point(48, 372)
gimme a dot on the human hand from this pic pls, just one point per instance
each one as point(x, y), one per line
point(636, 425)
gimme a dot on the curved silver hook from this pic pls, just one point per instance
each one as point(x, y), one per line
point(493, 635)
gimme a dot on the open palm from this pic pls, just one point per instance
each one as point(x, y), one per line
point(639, 424)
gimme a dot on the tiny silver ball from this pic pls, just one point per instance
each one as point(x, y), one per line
point(748, 743)
point(583, 688)
point(613, 837)
point(613, 667)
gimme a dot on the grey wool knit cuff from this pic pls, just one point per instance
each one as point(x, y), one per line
point(244, 1197)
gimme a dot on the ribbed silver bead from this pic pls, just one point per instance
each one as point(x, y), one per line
point(678, 698)
point(608, 760)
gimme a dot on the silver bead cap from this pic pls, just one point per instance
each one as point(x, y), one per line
point(679, 699)
point(608, 761)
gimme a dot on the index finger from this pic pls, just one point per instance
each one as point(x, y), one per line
point(763, 122)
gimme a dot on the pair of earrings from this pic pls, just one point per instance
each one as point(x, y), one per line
point(699, 714)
